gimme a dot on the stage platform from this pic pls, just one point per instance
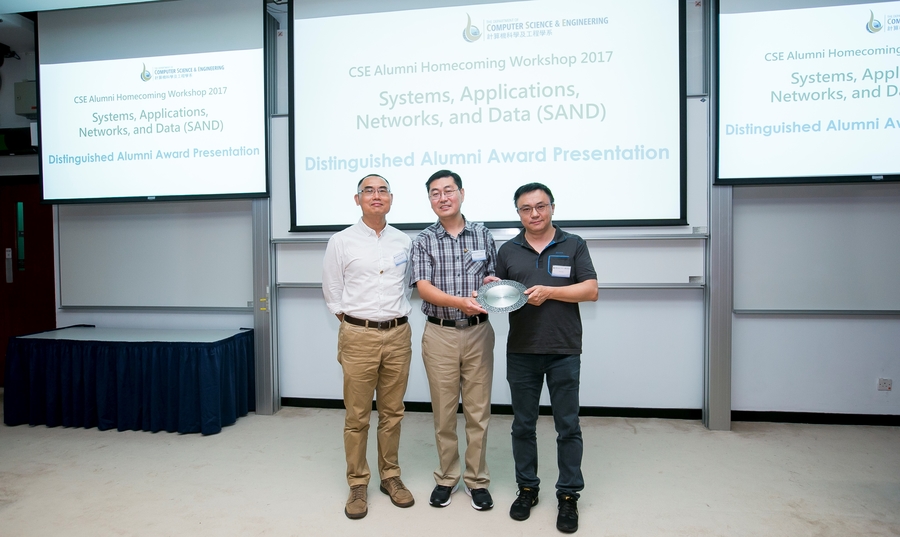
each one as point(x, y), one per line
point(184, 381)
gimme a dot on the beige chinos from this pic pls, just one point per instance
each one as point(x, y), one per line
point(375, 362)
point(460, 361)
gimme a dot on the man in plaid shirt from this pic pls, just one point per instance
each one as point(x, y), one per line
point(450, 260)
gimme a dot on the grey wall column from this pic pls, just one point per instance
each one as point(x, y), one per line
point(719, 306)
point(268, 400)
point(268, 394)
point(720, 266)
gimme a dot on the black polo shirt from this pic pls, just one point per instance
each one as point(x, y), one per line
point(554, 327)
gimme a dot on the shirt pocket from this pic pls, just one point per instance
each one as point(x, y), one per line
point(559, 266)
point(471, 266)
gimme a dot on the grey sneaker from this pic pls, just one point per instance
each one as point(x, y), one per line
point(356, 503)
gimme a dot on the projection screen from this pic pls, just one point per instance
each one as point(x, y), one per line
point(153, 101)
point(808, 91)
point(584, 96)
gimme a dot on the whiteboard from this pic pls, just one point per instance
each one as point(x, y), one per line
point(822, 247)
point(176, 254)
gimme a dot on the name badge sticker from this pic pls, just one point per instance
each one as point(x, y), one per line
point(561, 271)
point(479, 255)
point(399, 259)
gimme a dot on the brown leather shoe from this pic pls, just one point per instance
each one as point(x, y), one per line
point(356, 503)
point(400, 495)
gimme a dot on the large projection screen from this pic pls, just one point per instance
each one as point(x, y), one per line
point(586, 97)
point(808, 91)
point(153, 101)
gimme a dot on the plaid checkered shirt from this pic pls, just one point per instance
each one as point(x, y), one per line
point(452, 264)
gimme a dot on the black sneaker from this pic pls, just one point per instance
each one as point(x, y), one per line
point(567, 519)
point(440, 496)
point(521, 508)
point(481, 499)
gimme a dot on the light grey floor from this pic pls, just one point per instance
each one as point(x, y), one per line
point(283, 475)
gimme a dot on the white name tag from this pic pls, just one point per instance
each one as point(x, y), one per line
point(400, 258)
point(479, 255)
point(561, 271)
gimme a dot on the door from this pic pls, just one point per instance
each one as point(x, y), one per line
point(27, 291)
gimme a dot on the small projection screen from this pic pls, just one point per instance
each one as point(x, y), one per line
point(585, 96)
point(153, 101)
point(809, 92)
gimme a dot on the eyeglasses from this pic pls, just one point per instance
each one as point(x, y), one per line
point(370, 191)
point(527, 209)
point(447, 192)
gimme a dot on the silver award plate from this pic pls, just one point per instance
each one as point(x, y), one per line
point(502, 296)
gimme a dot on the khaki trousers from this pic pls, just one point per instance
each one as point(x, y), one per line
point(375, 362)
point(460, 361)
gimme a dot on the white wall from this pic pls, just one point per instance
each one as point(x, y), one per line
point(643, 348)
point(814, 265)
point(168, 320)
point(815, 363)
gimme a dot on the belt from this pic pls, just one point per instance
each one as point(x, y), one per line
point(381, 325)
point(460, 323)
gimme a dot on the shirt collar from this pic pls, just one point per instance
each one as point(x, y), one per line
point(366, 230)
point(558, 237)
point(441, 232)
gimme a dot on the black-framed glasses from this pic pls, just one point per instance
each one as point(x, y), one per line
point(528, 209)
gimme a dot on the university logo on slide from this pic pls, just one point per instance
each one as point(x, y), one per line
point(145, 74)
point(874, 25)
point(471, 33)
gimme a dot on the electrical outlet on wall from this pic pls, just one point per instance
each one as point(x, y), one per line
point(885, 385)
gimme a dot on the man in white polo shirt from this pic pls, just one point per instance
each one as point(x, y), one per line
point(364, 281)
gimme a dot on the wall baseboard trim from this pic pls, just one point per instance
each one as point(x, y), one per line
point(609, 412)
point(816, 418)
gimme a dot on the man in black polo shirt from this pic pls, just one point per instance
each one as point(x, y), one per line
point(545, 341)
